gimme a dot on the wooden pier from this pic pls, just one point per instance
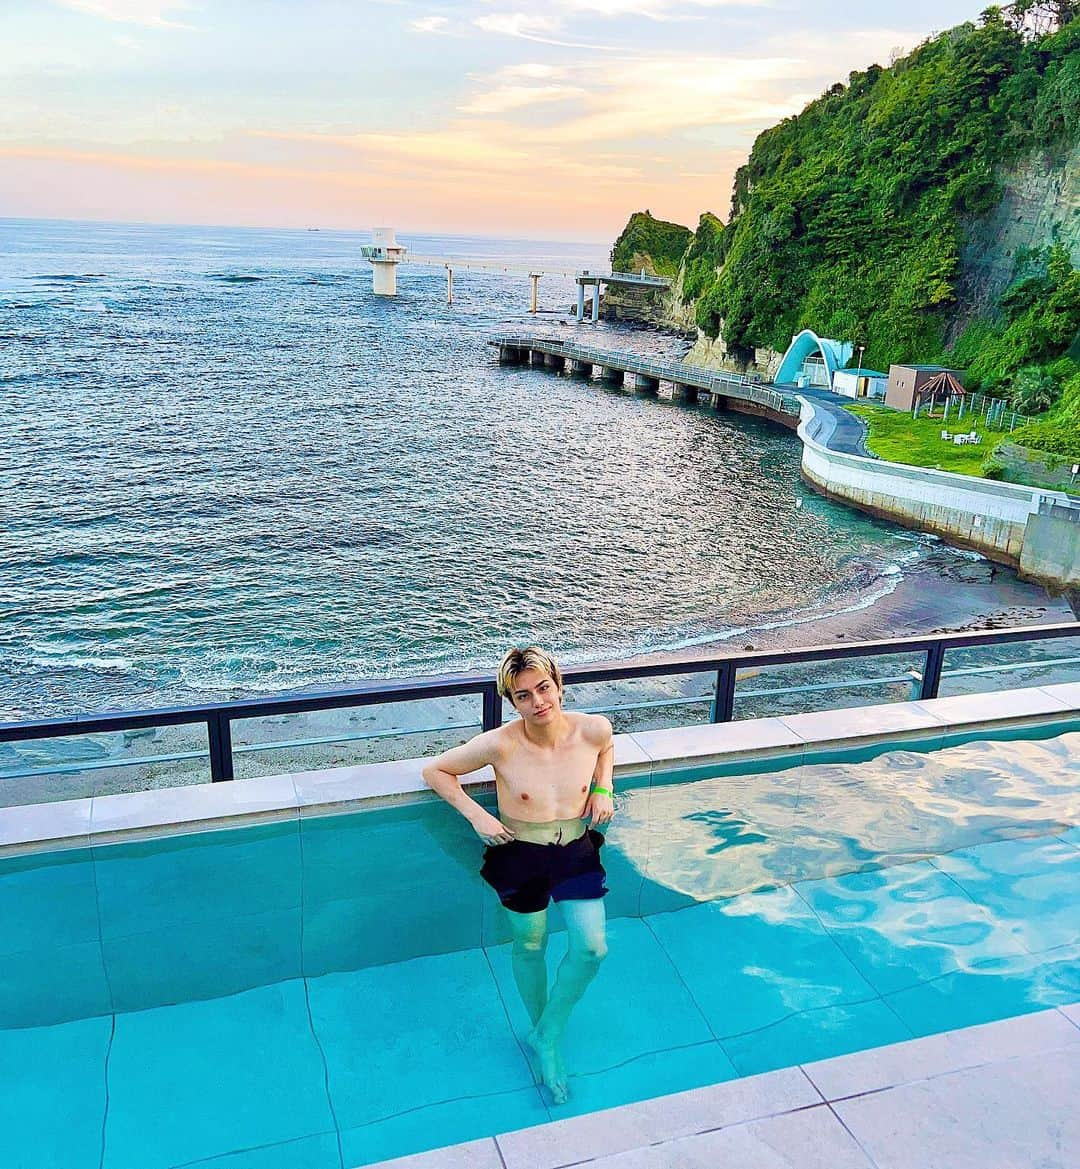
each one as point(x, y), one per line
point(684, 382)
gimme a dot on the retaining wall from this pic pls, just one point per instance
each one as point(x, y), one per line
point(1051, 550)
point(991, 517)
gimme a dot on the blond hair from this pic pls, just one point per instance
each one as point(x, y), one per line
point(533, 658)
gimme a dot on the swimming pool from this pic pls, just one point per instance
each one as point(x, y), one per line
point(330, 991)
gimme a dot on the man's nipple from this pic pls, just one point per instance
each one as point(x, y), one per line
point(525, 795)
point(584, 789)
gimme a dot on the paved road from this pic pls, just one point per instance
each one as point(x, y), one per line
point(840, 429)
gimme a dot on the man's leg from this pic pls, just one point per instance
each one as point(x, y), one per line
point(586, 947)
point(530, 973)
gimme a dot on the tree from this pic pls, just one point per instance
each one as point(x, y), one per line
point(1033, 391)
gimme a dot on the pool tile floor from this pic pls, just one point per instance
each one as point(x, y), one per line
point(343, 1069)
point(52, 1106)
point(213, 1077)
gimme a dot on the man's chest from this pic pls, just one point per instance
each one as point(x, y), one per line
point(558, 772)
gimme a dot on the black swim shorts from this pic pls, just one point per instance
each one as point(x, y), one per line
point(526, 876)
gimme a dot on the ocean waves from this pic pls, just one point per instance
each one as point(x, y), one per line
point(250, 475)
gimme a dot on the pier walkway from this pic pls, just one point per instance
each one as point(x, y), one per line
point(687, 382)
point(595, 279)
point(535, 272)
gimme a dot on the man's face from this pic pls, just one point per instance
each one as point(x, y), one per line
point(536, 697)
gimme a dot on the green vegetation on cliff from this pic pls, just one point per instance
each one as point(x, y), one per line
point(653, 244)
point(1059, 431)
point(703, 257)
point(850, 218)
point(1038, 321)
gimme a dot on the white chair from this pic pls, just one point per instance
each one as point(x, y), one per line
point(945, 435)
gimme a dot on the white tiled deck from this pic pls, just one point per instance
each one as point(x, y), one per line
point(198, 807)
point(998, 1096)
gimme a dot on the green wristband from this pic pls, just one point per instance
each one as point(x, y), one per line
point(602, 791)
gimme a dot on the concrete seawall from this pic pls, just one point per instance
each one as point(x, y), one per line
point(1034, 531)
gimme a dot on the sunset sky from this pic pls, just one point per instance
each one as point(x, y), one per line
point(482, 116)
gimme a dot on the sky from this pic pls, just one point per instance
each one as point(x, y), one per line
point(488, 117)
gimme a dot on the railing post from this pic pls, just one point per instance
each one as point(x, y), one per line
point(220, 735)
point(935, 657)
point(723, 705)
point(492, 714)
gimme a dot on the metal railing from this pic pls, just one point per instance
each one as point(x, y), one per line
point(218, 718)
point(712, 381)
point(587, 277)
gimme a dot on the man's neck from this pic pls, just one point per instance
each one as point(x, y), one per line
point(548, 736)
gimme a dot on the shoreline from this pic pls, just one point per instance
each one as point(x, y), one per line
point(939, 593)
point(933, 595)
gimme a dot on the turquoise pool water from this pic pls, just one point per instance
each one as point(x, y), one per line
point(324, 993)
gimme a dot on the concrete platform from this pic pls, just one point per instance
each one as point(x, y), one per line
point(997, 1096)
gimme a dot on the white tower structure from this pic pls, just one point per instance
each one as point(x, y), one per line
point(385, 253)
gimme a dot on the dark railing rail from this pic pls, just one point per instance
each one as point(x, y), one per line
point(219, 717)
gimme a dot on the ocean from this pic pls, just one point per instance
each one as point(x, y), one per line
point(228, 468)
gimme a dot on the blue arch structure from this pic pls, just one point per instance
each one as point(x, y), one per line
point(835, 354)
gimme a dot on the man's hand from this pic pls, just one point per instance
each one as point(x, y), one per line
point(490, 830)
point(599, 810)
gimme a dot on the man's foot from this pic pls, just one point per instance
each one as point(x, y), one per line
point(552, 1071)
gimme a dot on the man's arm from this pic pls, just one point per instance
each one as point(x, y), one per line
point(600, 807)
point(442, 776)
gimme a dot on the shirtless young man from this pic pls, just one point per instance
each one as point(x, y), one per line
point(553, 772)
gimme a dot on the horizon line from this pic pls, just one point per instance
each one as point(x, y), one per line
point(597, 240)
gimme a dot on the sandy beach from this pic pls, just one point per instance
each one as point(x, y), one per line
point(936, 594)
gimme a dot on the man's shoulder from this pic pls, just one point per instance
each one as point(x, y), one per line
point(503, 737)
point(595, 728)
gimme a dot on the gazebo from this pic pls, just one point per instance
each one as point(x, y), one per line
point(943, 384)
point(911, 386)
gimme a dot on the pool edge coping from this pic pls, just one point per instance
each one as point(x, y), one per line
point(767, 1097)
point(167, 811)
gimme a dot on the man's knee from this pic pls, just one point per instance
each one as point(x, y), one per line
point(533, 941)
point(592, 949)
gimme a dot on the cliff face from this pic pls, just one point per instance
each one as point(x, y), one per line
point(664, 308)
point(911, 211)
point(1039, 207)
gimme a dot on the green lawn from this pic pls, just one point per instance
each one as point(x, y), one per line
point(896, 436)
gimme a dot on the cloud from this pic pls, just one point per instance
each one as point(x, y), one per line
point(653, 9)
point(530, 71)
point(630, 100)
point(516, 24)
point(515, 97)
point(429, 23)
point(458, 150)
point(528, 26)
point(515, 87)
point(146, 12)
